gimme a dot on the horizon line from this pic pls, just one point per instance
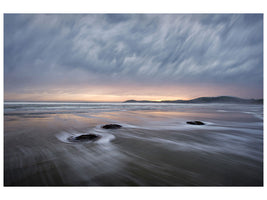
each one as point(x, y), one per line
point(80, 101)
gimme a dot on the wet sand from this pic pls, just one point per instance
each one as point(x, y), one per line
point(154, 147)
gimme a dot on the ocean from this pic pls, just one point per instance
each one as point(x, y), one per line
point(154, 147)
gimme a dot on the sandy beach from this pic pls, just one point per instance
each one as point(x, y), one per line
point(154, 147)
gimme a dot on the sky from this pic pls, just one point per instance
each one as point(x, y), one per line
point(116, 57)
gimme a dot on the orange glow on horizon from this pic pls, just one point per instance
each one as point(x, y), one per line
point(83, 97)
point(120, 94)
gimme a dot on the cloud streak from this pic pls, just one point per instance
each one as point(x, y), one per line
point(44, 52)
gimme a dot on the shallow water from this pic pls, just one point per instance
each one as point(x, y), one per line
point(154, 147)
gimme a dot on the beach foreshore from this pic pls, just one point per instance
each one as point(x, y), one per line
point(154, 147)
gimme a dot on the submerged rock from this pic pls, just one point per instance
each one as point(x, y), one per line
point(82, 138)
point(195, 123)
point(111, 126)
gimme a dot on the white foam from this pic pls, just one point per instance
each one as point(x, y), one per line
point(105, 137)
point(63, 136)
point(259, 116)
point(222, 111)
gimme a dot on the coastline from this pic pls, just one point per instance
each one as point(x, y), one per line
point(155, 145)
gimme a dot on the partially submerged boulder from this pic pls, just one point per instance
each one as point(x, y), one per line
point(83, 138)
point(195, 123)
point(111, 126)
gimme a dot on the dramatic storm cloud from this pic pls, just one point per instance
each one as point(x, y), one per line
point(117, 56)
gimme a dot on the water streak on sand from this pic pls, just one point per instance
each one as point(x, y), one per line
point(155, 145)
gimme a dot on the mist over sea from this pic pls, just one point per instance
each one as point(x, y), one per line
point(154, 147)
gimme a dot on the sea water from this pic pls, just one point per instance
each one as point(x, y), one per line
point(154, 147)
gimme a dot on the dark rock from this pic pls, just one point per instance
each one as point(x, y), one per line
point(195, 123)
point(82, 138)
point(111, 126)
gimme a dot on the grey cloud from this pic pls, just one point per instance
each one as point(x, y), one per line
point(58, 50)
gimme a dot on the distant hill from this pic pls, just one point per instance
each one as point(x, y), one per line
point(220, 99)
